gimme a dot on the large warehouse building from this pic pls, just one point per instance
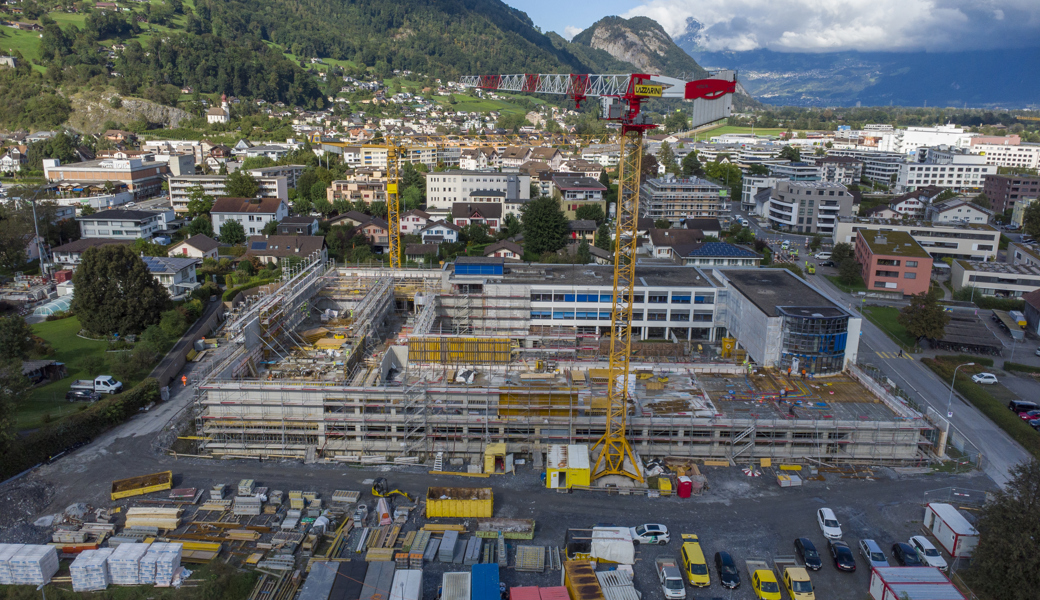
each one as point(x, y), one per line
point(350, 364)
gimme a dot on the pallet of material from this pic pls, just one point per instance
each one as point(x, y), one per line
point(243, 534)
point(163, 518)
point(245, 487)
point(449, 540)
point(69, 537)
point(277, 564)
point(99, 528)
point(217, 505)
point(27, 564)
point(246, 506)
point(513, 529)
point(124, 565)
point(198, 557)
point(530, 558)
point(217, 491)
point(89, 572)
point(182, 493)
point(345, 497)
point(432, 549)
point(379, 555)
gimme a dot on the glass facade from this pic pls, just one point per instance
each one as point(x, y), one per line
point(815, 337)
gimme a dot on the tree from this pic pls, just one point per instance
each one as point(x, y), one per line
point(232, 233)
point(849, 271)
point(510, 227)
point(924, 317)
point(662, 224)
point(691, 166)
point(323, 206)
point(545, 227)
point(590, 212)
point(241, 184)
point(476, 234)
point(758, 170)
point(201, 225)
point(602, 240)
point(15, 337)
point(815, 242)
point(1007, 523)
point(745, 236)
point(14, 389)
point(790, 153)
point(841, 252)
point(173, 323)
point(270, 228)
point(650, 167)
point(982, 201)
point(666, 157)
point(199, 202)
point(584, 254)
point(676, 121)
point(1031, 219)
point(115, 293)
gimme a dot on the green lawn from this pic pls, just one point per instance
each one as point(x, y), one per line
point(724, 129)
point(859, 286)
point(26, 42)
point(71, 350)
point(64, 19)
point(886, 317)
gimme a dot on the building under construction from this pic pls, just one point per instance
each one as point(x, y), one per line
point(368, 366)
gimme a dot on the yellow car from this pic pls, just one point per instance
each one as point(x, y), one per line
point(796, 580)
point(694, 565)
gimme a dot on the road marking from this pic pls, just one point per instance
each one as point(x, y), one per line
point(893, 355)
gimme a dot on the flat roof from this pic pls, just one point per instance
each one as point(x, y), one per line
point(999, 268)
point(647, 276)
point(771, 288)
point(893, 243)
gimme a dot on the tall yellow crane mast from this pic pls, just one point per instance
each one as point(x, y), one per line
point(393, 201)
point(622, 97)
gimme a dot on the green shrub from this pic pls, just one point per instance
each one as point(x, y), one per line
point(230, 293)
point(1010, 366)
point(173, 324)
point(966, 358)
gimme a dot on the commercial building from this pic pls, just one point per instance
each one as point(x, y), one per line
point(893, 261)
point(795, 171)
point(995, 278)
point(911, 139)
point(1007, 151)
point(122, 224)
point(674, 199)
point(448, 187)
point(276, 186)
point(965, 241)
point(953, 170)
point(251, 213)
point(1004, 191)
point(808, 206)
point(141, 178)
point(576, 192)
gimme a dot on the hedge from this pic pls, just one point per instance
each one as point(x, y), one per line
point(966, 358)
point(78, 428)
point(1010, 366)
point(230, 294)
point(996, 410)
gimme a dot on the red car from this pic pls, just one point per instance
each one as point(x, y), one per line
point(1029, 415)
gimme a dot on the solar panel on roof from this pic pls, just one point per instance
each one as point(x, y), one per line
point(258, 246)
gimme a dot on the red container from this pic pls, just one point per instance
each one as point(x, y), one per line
point(685, 487)
point(63, 276)
point(524, 593)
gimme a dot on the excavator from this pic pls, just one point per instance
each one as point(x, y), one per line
point(381, 489)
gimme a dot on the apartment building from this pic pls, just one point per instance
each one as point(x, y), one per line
point(957, 210)
point(141, 178)
point(808, 206)
point(1007, 151)
point(576, 192)
point(1004, 191)
point(674, 199)
point(251, 213)
point(879, 167)
point(275, 186)
point(893, 261)
point(950, 169)
point(998, 279)
point(795, 171)
point(911, 139)
point(970, 241)
point(845, 170)
point(119, 224)
point(751, 185)
point(448, 187)
point(291, 173)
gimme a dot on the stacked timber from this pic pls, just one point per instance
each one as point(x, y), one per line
point(124, 565)
point(146, 516)
point(90, 570)
point(69, 537)
point(32, 564)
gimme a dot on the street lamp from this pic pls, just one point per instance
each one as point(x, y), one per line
point(949, 402)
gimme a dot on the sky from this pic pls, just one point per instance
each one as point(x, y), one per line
point(815, 25)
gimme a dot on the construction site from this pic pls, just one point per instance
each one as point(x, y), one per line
point(437, 366)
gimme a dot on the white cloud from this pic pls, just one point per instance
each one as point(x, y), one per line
point(570, 31)
point(832, 25)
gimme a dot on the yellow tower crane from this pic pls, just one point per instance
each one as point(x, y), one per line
point(622, 97)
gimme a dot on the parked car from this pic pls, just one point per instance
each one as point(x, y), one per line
point(807, 550)
point(1021, 406)
point(81, 396)
point(842, 555)
point(871, 551)
point(928, 554)
point(828, 263)
point(1035, 424)
point(727, 570)
point(828, 524)
point(823, 255)
point(650, 533)
point(906, 555)
point(1029, 415)
point(1037, 352)
point(984, 378)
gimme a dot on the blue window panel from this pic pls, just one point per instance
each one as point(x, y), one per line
point(704, 299)
point(680, 299)
point(568, 297)
point(606, 297)
point(558, 314)
point(604, 314)
point(568, 315)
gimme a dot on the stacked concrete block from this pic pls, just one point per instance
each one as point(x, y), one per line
point(167, 564)
point(34, 565)
point(90, 570)
point(124, 565)
point(6, 552)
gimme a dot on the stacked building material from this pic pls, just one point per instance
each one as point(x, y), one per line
point(33, 565)
point(245, 487)
point(246, 506)
point(90, 570)
point(217, 491)
point(319, 581)
point(168, 562)
point(69, 537)
point(124, 565)
point(447, 549)
point(146, 516)
point(6, 552)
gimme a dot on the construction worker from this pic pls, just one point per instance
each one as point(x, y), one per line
point(184, 380)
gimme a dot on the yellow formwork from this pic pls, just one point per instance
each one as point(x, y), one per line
point(543, 402)
point(457, 350)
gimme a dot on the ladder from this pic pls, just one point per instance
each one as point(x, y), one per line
point(438, 462)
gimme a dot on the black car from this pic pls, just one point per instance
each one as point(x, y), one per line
point(81, 396)
point(906, 555)
point(805, 549)
point(1021, 406)
point(842, 555)
point(727, 570)
point(828, 263)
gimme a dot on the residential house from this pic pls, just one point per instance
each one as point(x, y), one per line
point(177, 275)
point(661, 243)
point(351, 218)
point(882, 211)
point(413, 221)
point(576, 192)
point(514, 156)
point(118, 136)
point(377, 231)
point(15, 159)
point(579, 167)
point(436, 232)
point(466, 213)
point(195, 246)
point(122, 224)
point(299, 225)
point(251, 213)
point(68, 256)
point(550, 156)
point(505, 249)
point(957, 210)
point(581, 229)
point(710, 227)
point(273, 248)
point(477, 159)
point(421, 253)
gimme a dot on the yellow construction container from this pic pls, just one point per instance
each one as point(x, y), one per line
point(567, 466)
point(496, 460)
point(459, 502)
point(145, 484)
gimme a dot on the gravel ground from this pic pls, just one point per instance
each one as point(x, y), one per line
point(749, 517)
